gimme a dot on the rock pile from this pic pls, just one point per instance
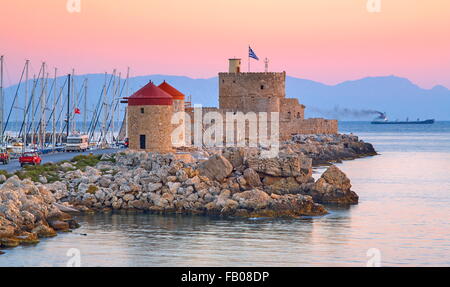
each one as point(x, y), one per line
point(230, 182)
point(324, 149)
point(27, 213)
point(236, 183)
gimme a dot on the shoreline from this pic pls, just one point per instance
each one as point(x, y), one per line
point(234, 182)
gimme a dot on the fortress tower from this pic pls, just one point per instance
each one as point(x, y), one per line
point(256, 92)
point(266, 92)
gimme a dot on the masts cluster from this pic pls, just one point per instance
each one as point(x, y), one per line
point(45, 110)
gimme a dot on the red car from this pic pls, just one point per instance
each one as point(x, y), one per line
point(30, 158)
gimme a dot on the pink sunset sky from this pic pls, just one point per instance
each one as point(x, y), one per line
point(323, 40)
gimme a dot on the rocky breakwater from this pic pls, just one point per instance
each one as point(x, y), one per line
point(326, 149)
point(237, 182)
point(28, 212)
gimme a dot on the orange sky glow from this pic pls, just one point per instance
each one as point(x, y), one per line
point(323, 40)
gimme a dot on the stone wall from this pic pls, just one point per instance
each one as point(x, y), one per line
point(307, 126)
point(291, 109)
point(287, 127)
point(154, 123)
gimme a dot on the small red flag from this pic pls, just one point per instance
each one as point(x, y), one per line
point(77, 111)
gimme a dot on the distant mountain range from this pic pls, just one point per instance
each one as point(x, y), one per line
point(350, 100)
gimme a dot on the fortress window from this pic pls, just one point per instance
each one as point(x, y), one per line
point(262, 87)
point(298, 115)
point(142, 110)
point(223, 81)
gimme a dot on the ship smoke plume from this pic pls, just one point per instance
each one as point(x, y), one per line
point(338, 112)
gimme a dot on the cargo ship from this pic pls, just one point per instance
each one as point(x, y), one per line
point(383, 120)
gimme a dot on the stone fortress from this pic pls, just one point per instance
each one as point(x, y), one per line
point(266, 92)
point(260, 92)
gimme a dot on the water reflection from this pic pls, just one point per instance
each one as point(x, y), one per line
point(403, 211)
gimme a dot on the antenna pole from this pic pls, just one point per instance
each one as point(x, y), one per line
point(266, 65)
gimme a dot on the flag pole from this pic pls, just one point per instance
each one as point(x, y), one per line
point(248, 58)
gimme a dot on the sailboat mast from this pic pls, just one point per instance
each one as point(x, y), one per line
point(75, 102)
point(105, 113)
point(25, 107)
point(85, 105)
point(68, 105)
point(42, 121)
point(113, 110)
point(2, 101)
point(33, 106)
point(54, 112)
point(126, 108)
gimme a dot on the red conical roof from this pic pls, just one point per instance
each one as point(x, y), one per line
point(177, 95)
point(150, 95)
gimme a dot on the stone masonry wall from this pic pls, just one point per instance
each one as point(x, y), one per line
point(291, 109)
point(307, 126)
point(287, 128)
point(258, 92)
point(154, 123)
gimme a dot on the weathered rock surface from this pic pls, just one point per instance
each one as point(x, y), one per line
point(216, 167)
point(27, 213)
point(325, 149)
point(332, 187)
point(251, 186)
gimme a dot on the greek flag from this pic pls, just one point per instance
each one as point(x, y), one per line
point(252, 54)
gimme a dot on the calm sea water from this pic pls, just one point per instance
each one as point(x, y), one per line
point(403, 213)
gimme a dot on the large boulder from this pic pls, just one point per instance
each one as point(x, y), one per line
point(237, 156)
point(286, 165)
point(333, 187)
point(216, 168)
point(252, 199)
point(295, 205)
point(336, 178)
point(252, 178)
point(281, 185)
